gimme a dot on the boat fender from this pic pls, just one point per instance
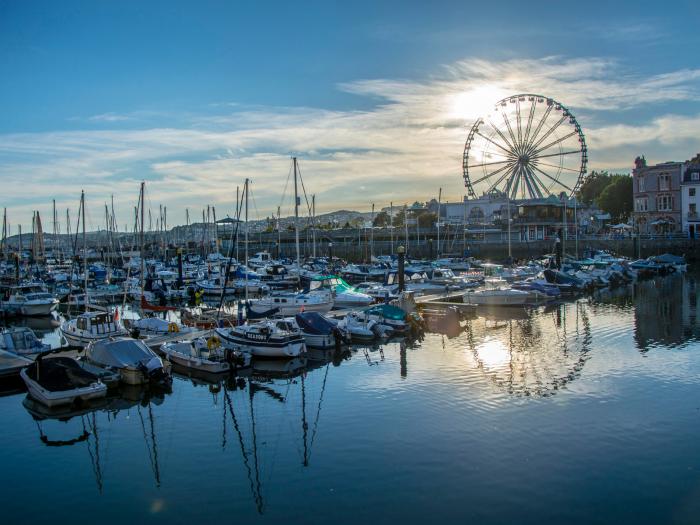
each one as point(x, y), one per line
point(173, 328)
point(213, 342)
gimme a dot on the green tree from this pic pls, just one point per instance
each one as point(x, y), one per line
point(616, 198)
point(593, 186)
point(399, 218)
point(427, 220)
point(381, 220)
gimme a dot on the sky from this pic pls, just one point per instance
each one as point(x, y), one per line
point(374, 98)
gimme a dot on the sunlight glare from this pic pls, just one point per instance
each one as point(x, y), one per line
point(475, 102)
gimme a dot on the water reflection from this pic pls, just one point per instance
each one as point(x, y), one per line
point(85, 427)
point(531, 352)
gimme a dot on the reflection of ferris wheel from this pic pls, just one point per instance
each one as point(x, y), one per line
point(528, 146)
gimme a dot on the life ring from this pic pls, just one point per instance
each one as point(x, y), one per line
point(173, 328)
point(213, 342)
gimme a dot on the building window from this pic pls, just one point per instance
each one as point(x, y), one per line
point(664, 203)
point(695, 176)
point(692, 209)
point(691, 192)
point(664, 182)
point(640, 183)
point(640, 204)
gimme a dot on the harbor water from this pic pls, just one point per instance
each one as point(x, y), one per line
point(587, 411)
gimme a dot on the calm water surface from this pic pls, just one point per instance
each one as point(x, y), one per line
point(584, 412)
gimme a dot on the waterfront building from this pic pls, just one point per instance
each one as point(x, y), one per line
point(541, 219)
point(690, 197)
point(487, 209)
point(657, 196)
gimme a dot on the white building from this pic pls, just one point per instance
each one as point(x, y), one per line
point(690, 198)
point(487, 209)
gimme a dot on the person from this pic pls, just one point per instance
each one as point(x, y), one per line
point(558, 249)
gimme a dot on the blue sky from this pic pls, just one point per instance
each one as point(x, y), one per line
point(195, 96)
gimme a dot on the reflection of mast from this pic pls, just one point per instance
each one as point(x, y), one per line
point(95, 458)
point(257, 494)
point(304, 424)
point(258, 485)
point(318, 412)
point(152, 447)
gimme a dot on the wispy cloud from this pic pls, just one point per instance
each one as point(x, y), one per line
point(402, 149)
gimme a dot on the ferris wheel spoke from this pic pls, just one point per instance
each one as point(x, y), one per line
point(510, 132)
point(538, 163)
point(538, 183)
point(537, 192)
point(548, 133)
point(518, 121)
point(486, 177)
point(499, 181)
point(535, 156)
point(556, 181)
point(503, 137)
point(493, 142)
point(489, 163)
point(555, 142)
point(529, 120)
point(541, 123)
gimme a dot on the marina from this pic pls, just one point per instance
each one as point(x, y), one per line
point(349, 263)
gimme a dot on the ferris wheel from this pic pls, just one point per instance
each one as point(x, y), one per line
point(528, 146)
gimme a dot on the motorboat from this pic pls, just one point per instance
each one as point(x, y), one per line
point(90, 327)
point(292, 303)
point(154, 326)
point(22, 341)
point(389, 315)
point(498, 296)
point(344, 295)
point(136, 363)
point(58, 381)
point(29, 300)
point(358, 330)
point(263, 339)
point(203, 355)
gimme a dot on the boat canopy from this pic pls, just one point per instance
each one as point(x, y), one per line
point(387, 311)
point(121, 353)
point(314, 323)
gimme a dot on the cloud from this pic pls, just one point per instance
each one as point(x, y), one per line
point(402, 149)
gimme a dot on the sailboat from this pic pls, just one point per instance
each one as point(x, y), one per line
point(90, 326)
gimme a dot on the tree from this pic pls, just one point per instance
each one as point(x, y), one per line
point(593, 186)
point(381, 220)
point(616, 198)
point(399, 218)
point(427, 220)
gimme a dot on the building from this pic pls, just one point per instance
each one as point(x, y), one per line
point(657, 196)
point(690, 197)
point(487, 209)
point(541, 219)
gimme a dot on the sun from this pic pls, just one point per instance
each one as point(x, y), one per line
point(472, 103)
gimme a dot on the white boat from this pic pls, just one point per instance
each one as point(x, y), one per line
point(29, 300)
point(292, 303)
point(89, 327)
point(22, 341)
point(136, 363)
point(359, 330)
point(61, 381)
point(344, 295)
point(264, 339)
point(203, 355)
point(155, 326)
point(500, 296)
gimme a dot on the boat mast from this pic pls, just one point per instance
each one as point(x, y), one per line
point(246, 238)
point(143, 262)
point(296, 213)
point(4, 233)
point(371, 238)
point(438, 223)
point(85, 267)
point(313, 225)
point(279, 232)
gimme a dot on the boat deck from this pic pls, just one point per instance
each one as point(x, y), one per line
point(11, 364)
